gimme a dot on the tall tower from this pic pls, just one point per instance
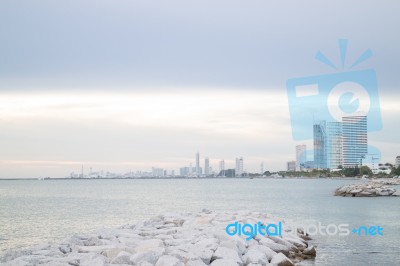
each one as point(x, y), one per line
point(301, 156)
point(355, 141)
point(262, 168)
point(239, 166)
point(334, 145)
point(222, 167)
point(207, 166)
point(320, 147)
point(197, 164)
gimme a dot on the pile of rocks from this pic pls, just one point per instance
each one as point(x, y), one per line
point(387, 181)
point(371, 189)
point(192, 239)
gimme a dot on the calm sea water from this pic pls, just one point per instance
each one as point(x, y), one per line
point(33, 212)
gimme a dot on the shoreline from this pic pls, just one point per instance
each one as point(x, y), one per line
point(190, 178)
point(173, 239)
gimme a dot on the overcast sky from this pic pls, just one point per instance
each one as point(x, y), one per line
point(127, 85)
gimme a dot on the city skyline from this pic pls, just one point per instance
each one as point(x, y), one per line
point(128, 90)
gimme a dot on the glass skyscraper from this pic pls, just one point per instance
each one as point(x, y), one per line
point(320, 145)
point(340, 143)
point(301, 156)
point(355, 142)
point(334, 145)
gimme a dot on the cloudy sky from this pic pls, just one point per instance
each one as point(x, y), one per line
point(127, 85)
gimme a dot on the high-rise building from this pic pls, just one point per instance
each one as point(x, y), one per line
point(206, 166)
point(261, 168)
point(157, 172)
point(320, 145)
point(355, 142)
point(291, 166)
point(222, 167)
point(239, 166)
point(301, 156)
point(197, 164)
point(334, 145)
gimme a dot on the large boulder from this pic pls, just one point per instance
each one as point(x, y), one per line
point(281, 260)
point(227, 253)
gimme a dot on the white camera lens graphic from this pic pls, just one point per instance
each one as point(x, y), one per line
point(349, 99)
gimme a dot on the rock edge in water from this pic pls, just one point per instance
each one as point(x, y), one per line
point(172, 239)
point(373, 188)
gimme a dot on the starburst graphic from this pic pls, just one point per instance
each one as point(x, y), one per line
point(343, 51)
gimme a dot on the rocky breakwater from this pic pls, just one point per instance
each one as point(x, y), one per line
point(192, 239)
point(373, 188)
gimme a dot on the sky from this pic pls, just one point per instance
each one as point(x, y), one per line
point(128, 85)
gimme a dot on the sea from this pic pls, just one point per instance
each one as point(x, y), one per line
point(41, 211)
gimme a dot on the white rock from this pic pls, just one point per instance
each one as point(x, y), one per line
point(254, 256)
point(284, 242)
point(227, 253)
point(310, 251)
point(274, 246)
point(93, 241)
point(197, 262)
point(147, 245)
point(113, 252)
point(269, 253)
point(151, 255)
point(281, 260)
point(297, 241)
point(123, 257)
point(224, 262)
point(230, 244)
point(93, 249)
point(167, 260)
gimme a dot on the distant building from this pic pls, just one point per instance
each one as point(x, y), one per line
point(157, 172)
point(239, 166)
point(328, 145)
point(355, 142)
point(334, 145)
point(291, 166)
point(320, 145)
point(188, 171)
point(197, 164)
point(184, 171)
point(301, 156)
point(222, 167)
point(261, 168)
point(397, 161)
point(207, 171)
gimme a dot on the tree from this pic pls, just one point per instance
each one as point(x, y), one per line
point(267, 173)
point(365, 170)
point(351, 172)
point(395, 170)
